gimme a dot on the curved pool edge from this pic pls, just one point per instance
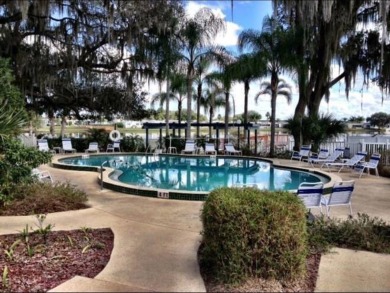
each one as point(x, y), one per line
point(178, 195)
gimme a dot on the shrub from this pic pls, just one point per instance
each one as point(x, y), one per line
point(16, 164)
point(99, 135)
point(120, 125)
point(363, 233)
point(253, 233)
point(42, 198)
point(133, 143)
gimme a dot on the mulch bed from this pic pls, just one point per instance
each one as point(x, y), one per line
point(63, 255)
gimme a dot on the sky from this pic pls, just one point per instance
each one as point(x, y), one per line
point(362, 101)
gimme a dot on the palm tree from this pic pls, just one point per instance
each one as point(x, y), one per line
point(211, 100)
point(283, 89)
point(201, 67)
point(270, 46)
point(12, 121)
point(178, 86)
point(246, 69)
point(223, 82)
point(318, 129)
point(196, 34)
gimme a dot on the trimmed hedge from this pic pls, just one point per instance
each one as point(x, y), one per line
point(253, 233)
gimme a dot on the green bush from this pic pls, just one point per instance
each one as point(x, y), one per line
point(42, 198)
point(133, 143)
point(175, 141)
point(362, 233)
point(99, 135)
point(253, 233)
point(16, 164)
point(120, 125)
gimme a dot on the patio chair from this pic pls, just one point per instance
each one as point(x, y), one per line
point(209, 149)
point(42, 176)
point(43, 146)
point(67, 145)
point(333, 157)
point(303, 154)
point(111, 147)
point(311, 194)
point(92, 148)
point(350, 163)
point(372, 164)
point(341, 195)
point(189, 148)
point(230, 150)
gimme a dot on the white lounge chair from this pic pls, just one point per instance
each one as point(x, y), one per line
point(341, 195)
point(209, 149)
point(43, 176)
point(92, 148)
point(43, 146)
point(67, 145)
point(372, 164)
point(311, 194)
point(303, 154)
point(189, 147)
point(351, 163)
point(333, 157)
point(114, 146)
point(230, 150)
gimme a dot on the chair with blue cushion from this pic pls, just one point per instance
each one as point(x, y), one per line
point(311, 194)
point(350, 163)
point(340, 196)
point(303, 154)
point(372, 164)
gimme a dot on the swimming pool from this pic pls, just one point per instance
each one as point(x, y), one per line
point(193, 174)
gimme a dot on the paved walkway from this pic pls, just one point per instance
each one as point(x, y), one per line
point(156, 240)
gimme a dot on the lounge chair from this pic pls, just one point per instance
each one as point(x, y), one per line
point(333, 157)
point(114, 146)
point(372, 164)
point(303, 154)
point(311, 194)
point(341, 195)
point(67, 145)
point(189, 148)
point(351, 163)
point(92, 148)
point(43, 176)
point(230, 150)
point(209, 149)
point(43, 146)
point(323, 154)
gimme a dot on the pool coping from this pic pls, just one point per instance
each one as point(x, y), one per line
point(118, 186)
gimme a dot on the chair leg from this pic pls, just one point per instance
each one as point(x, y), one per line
point(350, 208)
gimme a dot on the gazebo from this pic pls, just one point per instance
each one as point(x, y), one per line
point(217, 126)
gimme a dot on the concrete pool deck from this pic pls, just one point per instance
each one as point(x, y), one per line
point(156, 240)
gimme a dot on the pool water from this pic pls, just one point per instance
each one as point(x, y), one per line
point(196, 173)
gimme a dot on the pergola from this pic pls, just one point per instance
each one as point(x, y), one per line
point(217, 126)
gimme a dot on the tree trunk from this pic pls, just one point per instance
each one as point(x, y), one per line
point(167, 107)
point(274, 89)
point(179, 107)
point(63, 124)
point(199, 94)
point(50, 115)
point(189, 105)
point(211, 120)
point(227, 110)
point(246, 94)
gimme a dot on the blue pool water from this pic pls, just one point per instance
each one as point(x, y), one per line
point(196, 173)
